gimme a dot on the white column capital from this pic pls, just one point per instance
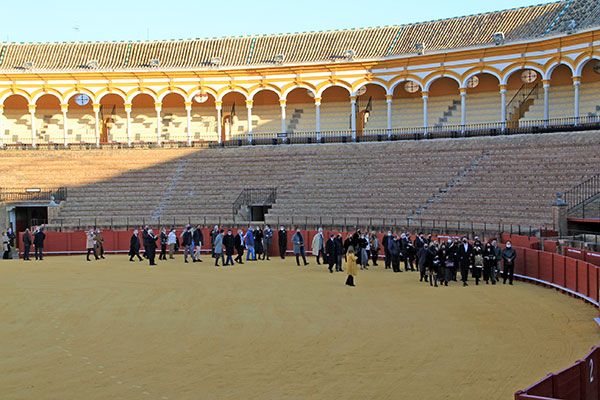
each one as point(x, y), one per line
point(249, 104)
point(282, 102)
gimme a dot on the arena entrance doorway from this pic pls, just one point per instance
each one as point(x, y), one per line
point(258, 213)
point(28, 216)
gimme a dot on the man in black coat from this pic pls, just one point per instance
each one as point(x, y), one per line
point(38, 243)
point(283, 242)
point(331, 252)
point(198, 239)
point(186, 242)
point(339, 250)
point(395, 247)
point(144, 237)
point(465, 255)
point(134, 246)
point(229, 244)
point(26, 245)
point(239, 246)
point(386, 250)
point(150, 245)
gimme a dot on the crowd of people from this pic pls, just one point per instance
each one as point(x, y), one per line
point(438, 262)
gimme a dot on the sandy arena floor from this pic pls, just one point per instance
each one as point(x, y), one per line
point(118, 330)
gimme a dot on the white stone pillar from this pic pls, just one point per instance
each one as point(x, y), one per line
point(188, 112)
point(503, 107)
point(2, 125)
point(318, 117)
point(96, 108)
point(353, 117)
point(249, 108)
point(32, 108)
point(463, 109)
point(389, 100)
point(64, 108)
point(282, 104)
point(425, 96)
point(129, 132)
point(158, 108)
point(576, 95)
point(219, 107)
point(546, 102)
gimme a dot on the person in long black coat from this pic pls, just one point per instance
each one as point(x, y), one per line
point(150, 245)
point(258, 242)
point(386, 250)
point(38, 243)
point(331, 249)
point(229, 244)
point(26, 245)
point(134, 246)
point(239, 246)
point(395, 247)
point(465, 259)
point(339, 250)
point(424, 260)
point(283, 242)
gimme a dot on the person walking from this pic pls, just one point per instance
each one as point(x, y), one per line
point(465, 259)
point(267, 241)
point(26, 245)
point(351, 267)
point(395, 249)
point(164, 239)
point(298, 241)
point(374, 244)
point(38, 243)
point(239, 246)
point(498, 252)
point(134, 246)
point(424, 259)
point(339, 250)
point(331, 252)
point(5, 246)
point(229, 245)
point(90, 244)
point(99, 243)
point(509, 255)
point(197, 241)
point(213, 235)
point(318, 246)
point(150, 245)
point(386, 250)
point(187, 243)
point(218, 248)
point(172, 242)
point(249, 243)
point(282, 241)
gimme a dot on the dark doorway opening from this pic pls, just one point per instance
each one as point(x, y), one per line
point(26, 217)
point(258, 213)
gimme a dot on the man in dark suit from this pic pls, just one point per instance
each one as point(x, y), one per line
point(331, 252)
point(26, 245)
point(239, 246)
point(150, 245)
point(386, 250)
point(38, 243)
point(134, 246)
point(465, 255)
point(283, 241)
point(229, 244)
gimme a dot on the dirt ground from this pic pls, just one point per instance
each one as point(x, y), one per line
point(270, 330)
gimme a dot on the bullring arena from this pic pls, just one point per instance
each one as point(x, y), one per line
point(489, 131)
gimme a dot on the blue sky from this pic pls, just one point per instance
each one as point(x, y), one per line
point(88, 20)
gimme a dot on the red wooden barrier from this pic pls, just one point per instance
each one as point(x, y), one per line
point(593, 258)
point(559, 272)
point(582, 278)
point(546, 266)
point(574, 253)
point(532, 265)
point(571, 274)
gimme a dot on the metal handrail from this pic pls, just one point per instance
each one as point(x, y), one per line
point(254, 196)
point(582, 193)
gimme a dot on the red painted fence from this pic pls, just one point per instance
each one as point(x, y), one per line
point(577, 382)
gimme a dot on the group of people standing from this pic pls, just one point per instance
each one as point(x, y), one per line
point(439, 261)
point(94, 244)
point(8, 243)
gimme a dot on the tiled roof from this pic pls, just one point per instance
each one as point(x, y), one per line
point(366, 43)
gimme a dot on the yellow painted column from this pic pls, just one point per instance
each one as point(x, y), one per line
point(158, 108)
point(249, 104)
point(188, 111)
point(64, 108)
point(129, 132)
point(219, 107)
point(2, 125)
point(96, 108)
point(32, 108)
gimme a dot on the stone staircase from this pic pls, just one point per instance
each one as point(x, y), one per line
point(295, 120)
point(448, 113)
point(443, 191)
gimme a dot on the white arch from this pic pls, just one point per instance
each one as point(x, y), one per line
point(474, 73)
point(285, 93)
point(554, 66)
point(377, 83)
point(193, 94)
point(582, 63)
point(260, 89)
point(35, 98)
point(436, 77)
point(393, 87)
point(511, 71)
point(9, 94)
point(225, 93)
point(168, 92)
point(329, 85)
point(135, 94)
point(104, 94)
